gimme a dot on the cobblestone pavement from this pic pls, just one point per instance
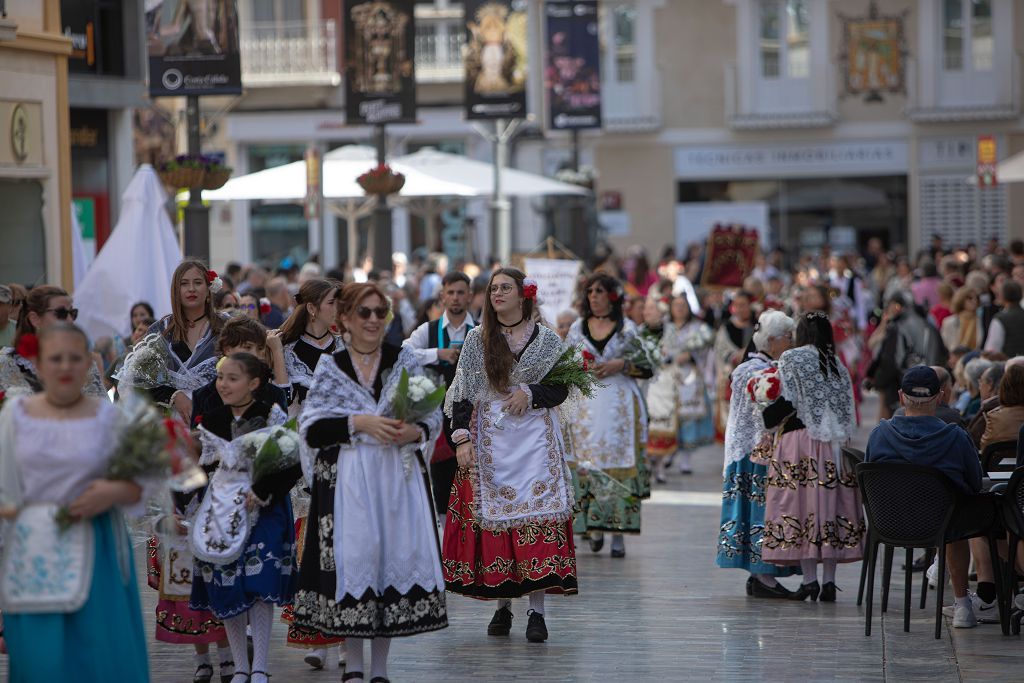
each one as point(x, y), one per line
point(666, 613)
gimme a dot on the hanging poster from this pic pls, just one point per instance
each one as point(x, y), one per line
point(193, 48)
point(380, 78)
point(496, 59)
point(573, 74)
point(729, 257)
point(873, 54)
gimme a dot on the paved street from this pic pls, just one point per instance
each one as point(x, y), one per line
point(665, 612)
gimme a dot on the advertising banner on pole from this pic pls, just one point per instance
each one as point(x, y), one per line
point(572, 73)
point(380, 74)
point(496, 59)
point(556, 283)
point(193, 48)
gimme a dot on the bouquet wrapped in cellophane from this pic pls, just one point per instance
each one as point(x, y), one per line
point(154, 450)
point(271, 450)
point(604, 488)
point(644, 353)
point(145, 366)
point(415, 398)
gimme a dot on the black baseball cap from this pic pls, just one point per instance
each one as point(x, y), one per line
point(920, 382)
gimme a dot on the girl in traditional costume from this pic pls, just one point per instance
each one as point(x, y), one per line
point(240, 575)
point(370, 564)
point(44, 307)
point(743, 492)
point(309, 335)
point(609, 431)
point(813, 507)
point(509, 531)
point(71, 607)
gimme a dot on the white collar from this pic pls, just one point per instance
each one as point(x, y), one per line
point(466, 322)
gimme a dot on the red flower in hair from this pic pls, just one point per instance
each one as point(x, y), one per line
point(613, 296)
point(529, 291)
point(264, 307)
point(28, 346)
point(211, 275)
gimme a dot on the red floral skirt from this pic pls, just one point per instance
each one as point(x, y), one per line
point(300, 636)
point(176, 622)
point(503, 564)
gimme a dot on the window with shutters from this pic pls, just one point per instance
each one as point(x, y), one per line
point(954, 209)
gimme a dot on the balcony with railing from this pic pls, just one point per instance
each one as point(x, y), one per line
point(289, 53)
point(439, 52)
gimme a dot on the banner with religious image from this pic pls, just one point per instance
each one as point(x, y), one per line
point(193, 48)
point(572, 73)
point(495, 59)
point(873, 53)
point(380, 78)
point(729, 257)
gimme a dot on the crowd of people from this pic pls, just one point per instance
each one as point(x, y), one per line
point(488, 494)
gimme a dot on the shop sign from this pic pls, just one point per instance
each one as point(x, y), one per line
point(572, 74)
point(791, 160)
point(495, 59)
point(380, 78)
point(89, 132)
point(184, 60)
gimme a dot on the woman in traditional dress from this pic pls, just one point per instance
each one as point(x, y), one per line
point(509, 532)
point(308, 335)
point(609, 431)
point(730, 348)
point(81, 619)
point(188, 340)
point(242, 592)
point(812, 504)
point(44, 307)
point(743, 493)
point(371, 566)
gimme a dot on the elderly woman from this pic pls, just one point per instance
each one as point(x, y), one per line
point(739, 536)
point(969, 403)
point(1004, 423)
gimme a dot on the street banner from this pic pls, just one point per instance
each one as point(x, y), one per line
point(988, 161)
point(556, 283)
point(572, 74)
point(193, 48)
point(730, 255)
point(495, 59)
point(380, 76)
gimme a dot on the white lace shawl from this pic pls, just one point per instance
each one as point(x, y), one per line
point(229, 453)
point(298, 372)
point(13, 381)
point(471, 383)
point(824, 404)
point(745, 425)
point(616, 347)
point(334, 394)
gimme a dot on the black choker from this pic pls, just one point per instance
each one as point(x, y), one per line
point(192, 323)
point(242, 405)
point(508, 328)
point(314, 337)
point(601, 317)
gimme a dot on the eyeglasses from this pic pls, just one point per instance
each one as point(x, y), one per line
point(365, 312)
point(504, 288)
point(596, 290)
point(64, 313)
point(247, 307)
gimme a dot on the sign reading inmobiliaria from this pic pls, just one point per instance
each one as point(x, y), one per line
point(194, 52)
point(380, 73)
point(573, 71)
point(495, 59)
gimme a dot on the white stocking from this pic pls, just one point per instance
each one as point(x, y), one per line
point(261, 618)
point(828, 571)
point(537, 602)
point(810, 570)
point(353, 654)
point(235, 626)
point(379, 648)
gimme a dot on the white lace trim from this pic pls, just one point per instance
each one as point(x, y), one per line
point(13, 382)
point(616, 346)
point(298, 372)
point(229, 453)
point(745, 424)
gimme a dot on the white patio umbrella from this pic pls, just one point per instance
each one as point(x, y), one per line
point(1008, 171)
point(135, 264)
point(480, 175)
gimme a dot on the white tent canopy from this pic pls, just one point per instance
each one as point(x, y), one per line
point(135, 264)
point(1008, 171)
point(480, 175)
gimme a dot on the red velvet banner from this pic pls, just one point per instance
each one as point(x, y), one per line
point(729, 257)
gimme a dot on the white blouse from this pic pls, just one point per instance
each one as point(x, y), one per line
point(59, 458)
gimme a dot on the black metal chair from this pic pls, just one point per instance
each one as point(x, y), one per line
point(1000, 456)
point(911, 506)
point(1012, 507)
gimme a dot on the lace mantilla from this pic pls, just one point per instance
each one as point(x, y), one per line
point(229, 453)
point(298, 372)
point(471, 384)
point(616, 346)
point(746, 424)
point(15, 374)
point(823, 404)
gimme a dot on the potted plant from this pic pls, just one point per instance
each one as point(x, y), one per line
point(216, 175)
point(381, 181)
point(183, 171)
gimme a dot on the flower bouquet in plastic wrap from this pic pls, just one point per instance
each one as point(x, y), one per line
point(271, 450)
point(604, 489)
point(765, 387)
point(701, 338)
point(145, 366)
point(415, 398)
point(643, 352)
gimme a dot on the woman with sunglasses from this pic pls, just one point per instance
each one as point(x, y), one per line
point(509, 532)
point(45, 306)
point(308, 335)
point(609, 432)
point(370, 561)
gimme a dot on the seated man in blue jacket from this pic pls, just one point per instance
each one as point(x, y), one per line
point(920, 438)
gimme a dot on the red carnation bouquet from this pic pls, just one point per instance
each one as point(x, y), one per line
point(765, 387)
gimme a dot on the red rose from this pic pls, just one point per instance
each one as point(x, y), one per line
point(211, 275)
point(28, 346)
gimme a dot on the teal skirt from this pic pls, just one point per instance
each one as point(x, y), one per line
point(103, 641)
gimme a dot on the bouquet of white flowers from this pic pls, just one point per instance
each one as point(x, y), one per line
point(415, 398)
point(701, 338)
point(271, 449)
point(644, 353)
point(145, 366)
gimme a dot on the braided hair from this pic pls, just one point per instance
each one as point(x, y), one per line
point(815, 329)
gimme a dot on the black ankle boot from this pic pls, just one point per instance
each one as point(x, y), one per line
point(501, 622)
point(806, 590)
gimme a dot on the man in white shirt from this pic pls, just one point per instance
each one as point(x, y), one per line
point(436, 345)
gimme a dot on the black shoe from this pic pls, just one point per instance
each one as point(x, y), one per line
point(230, 666)
point(596, 545)
point(778, 591)
point(351, 675)
point(536, 629)
point(750, 585)
point(380, 679)
point(501, 622)
point(806, 590)
point(618, 552)
point(828, 592)
point(203, 674)
point(920, 564)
